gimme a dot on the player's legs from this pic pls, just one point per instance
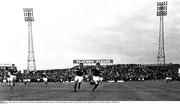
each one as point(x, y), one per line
point(96, 80)
point(46, 82)
point(79, 85)
point(28, 81)
point(11, 83)
point(8, 81)
point(75, 86)
point(38, 80)
point(4, 81)
point(76, 82)
point(24, 82)
point(80, 81)
point(96, 85)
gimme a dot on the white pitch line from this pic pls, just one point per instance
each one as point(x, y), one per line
point(115, 89)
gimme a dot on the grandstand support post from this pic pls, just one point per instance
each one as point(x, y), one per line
point(28, 17)
point(161, 12)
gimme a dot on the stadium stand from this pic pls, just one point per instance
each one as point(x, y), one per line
point(116, 73)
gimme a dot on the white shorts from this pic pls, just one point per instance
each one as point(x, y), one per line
point(45, 79)
point(4, 80)
point(25, 80)
point(96, 79)
point(78, 78)
point(9, 79)
point(101, 79)
point(29, 80)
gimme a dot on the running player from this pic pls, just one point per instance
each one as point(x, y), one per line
point(96, 76)
point(79, 76)
point(25, 80)
point(11, 79)
point(38, 80)
point(45, 79)
point(4, 78)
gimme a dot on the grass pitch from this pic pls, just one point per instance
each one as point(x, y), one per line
point(125, 91)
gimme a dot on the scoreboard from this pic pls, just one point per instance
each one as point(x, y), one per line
point(94, 61)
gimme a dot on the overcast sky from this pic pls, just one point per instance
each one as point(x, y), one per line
point(63, 30)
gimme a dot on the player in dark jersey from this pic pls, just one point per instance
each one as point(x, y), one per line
point(79, 76)
point(11, 78)
point(45, 79)
point(96, 76)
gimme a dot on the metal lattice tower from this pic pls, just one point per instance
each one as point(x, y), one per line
point(28, 17)
point(161, 12)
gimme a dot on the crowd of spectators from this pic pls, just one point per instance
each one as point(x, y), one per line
point(125, 72)
point(133, 72)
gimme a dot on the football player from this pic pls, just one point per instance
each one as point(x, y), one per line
point(79, 76)
point(96, 76)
